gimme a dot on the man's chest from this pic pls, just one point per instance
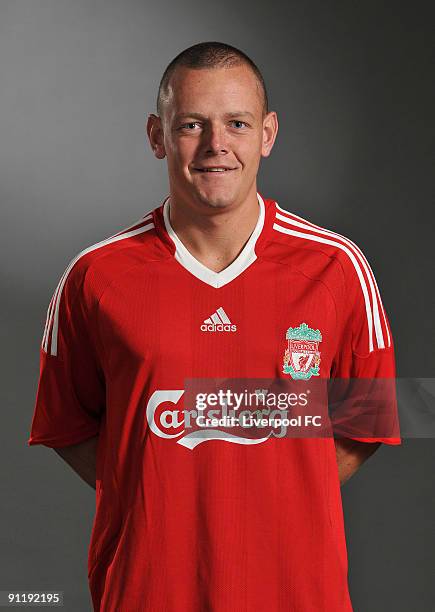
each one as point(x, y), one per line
point(268, 322)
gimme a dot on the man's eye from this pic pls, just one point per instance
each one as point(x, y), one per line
point(239, 124)
point(189, 126)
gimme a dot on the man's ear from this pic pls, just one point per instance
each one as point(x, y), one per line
point(270, 130)
point(154, 130)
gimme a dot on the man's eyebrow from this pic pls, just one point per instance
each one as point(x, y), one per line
point(199, 116)
point(239, 113)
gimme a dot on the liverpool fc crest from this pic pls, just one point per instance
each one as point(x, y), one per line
point(302, 355)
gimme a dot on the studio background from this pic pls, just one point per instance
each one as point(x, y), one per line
point(352, 84)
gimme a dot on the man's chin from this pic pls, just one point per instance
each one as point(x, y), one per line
point(216, 200)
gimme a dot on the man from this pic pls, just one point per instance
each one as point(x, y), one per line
point(215, 282)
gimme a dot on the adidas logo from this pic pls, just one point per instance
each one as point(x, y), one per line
point(218, 322)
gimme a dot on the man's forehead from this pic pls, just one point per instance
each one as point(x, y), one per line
point(191, 92)
point(184, 73)
point(227, 114)
point(198, 82)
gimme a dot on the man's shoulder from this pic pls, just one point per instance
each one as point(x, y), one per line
point(93, 268)
point(312, 248)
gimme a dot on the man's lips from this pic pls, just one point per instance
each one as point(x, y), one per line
point(213, 169)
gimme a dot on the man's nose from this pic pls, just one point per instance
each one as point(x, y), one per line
point(215, 139)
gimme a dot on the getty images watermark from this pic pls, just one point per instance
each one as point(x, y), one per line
point(258, 409)
point(252, 411)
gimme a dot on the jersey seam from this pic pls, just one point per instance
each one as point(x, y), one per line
point(336, 259)
point(89, 328)
point(108, 286)
point(374, 351)
point(316, 250)
point(312, 278)
point(66, 440)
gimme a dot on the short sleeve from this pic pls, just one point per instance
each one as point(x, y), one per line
point(363, 369)
point(70, 397)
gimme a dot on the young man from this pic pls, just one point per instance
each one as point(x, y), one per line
point(215, 282)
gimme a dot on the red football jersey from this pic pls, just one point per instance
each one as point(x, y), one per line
point(194, 524)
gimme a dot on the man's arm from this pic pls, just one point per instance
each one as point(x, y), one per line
point(82, 458)
point(351, 454)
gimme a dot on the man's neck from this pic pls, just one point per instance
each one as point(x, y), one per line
point(215, 240)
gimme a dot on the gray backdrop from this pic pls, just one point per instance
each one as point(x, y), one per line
point(353, 88)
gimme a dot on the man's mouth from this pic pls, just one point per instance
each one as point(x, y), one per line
point(214, 169)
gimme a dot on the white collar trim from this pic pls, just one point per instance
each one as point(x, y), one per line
point(216, 279)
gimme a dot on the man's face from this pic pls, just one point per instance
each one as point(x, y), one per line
point(213, 134)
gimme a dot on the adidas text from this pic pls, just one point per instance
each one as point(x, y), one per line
point(218, 327)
